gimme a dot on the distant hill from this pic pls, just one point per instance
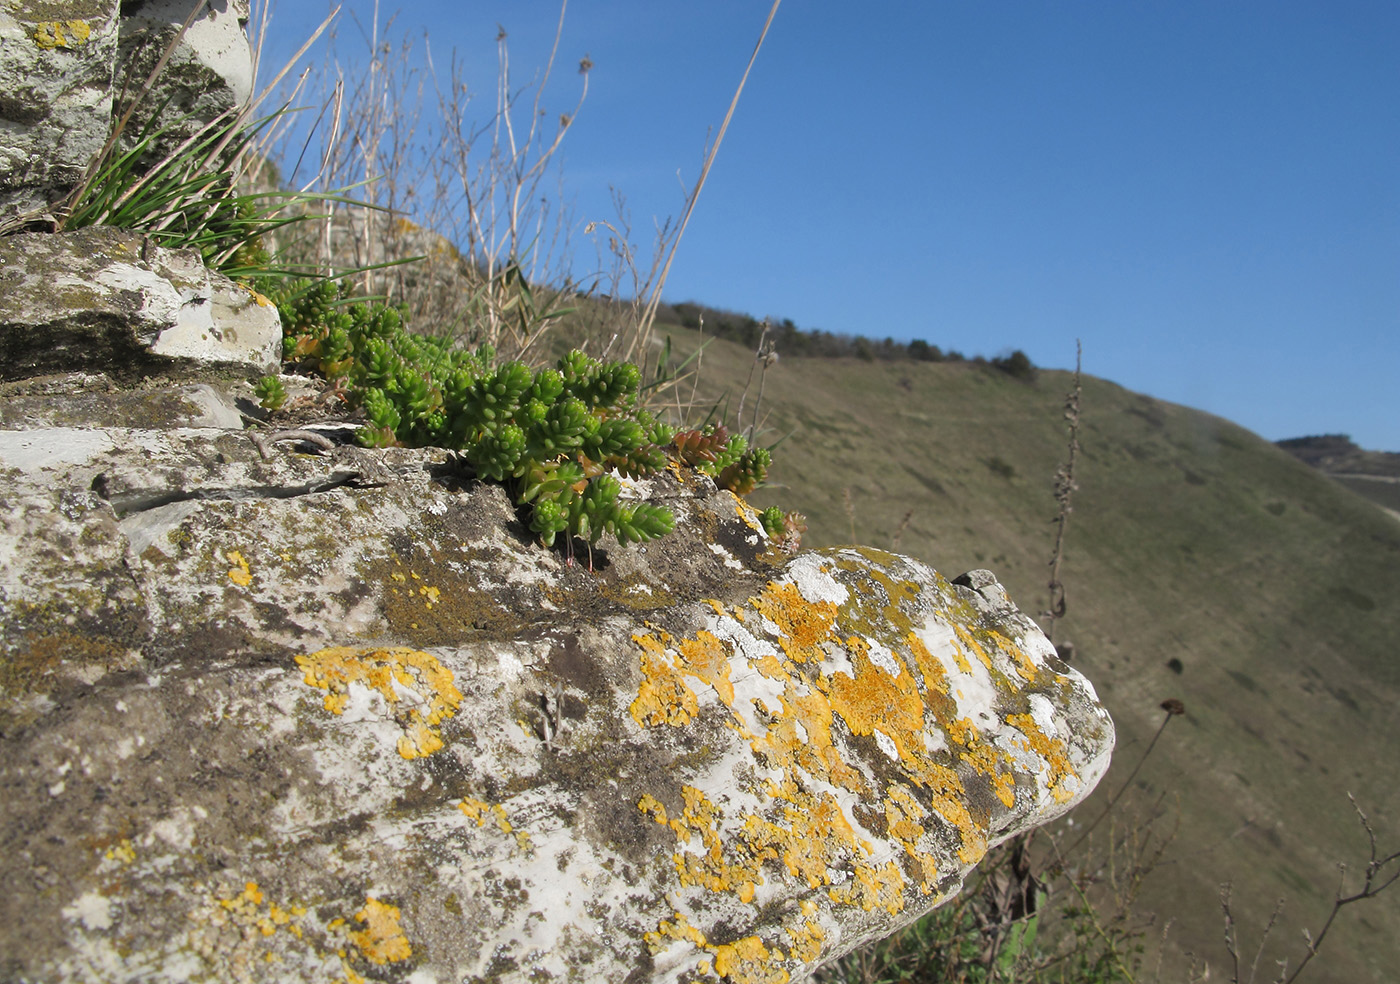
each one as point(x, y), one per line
point(1373, 474)
point(1202, 562)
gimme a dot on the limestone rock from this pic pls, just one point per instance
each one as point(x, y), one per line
point(210, 71)
point(62, 62)
point(57, 63)
point(290, 715)
point(109, 300)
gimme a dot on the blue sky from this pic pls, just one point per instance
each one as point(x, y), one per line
point(1206, 193)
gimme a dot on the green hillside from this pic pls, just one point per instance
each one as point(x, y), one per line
point(1191, 540)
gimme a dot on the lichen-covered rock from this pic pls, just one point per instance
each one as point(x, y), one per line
point(209, 72)
point(273, 713)
point(111, 300)
point(61, 63)
point(57, 63)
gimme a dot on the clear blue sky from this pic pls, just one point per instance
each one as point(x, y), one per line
point(1206, 192)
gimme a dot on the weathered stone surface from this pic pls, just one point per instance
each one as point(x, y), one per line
point(306, 716)
point(61, 63)
point(209, 72)
point(57, 63)
point(110, 300)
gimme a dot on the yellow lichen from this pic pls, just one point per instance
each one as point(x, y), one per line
point(382, 940)
point(663, 697)
point(748, 961)
point(649, 804)
point(707, 658)
point(862, 663)
point(805, 938)
point(483, 812)
point(69, 34)
point(123, 852)
point(874, 699)
point(802, 625)
point(415, 685)
point(745, 961)
point(256, 916)
point(746, 512)
point(1051, 750)
point(902, 815)
point(966, 637)
point(240, 574)
point(872, 888)
point(1025, 666)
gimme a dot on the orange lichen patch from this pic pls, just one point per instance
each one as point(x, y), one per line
point(746, 512)
point(748, 961)
point(415, 684)
point(248, 911)
point(1051, 750)
point(68, 34)
point(934, 674)
point(382, 940)
point(816, 834)
point(801, 736)
point(745, 961)
point(873, 699)
point(706, 658)
point(1004, 785)
point(662, 697)
point(250, 896)
point(805, 938)
point(1025, 666)
point(809, 837)
point(709, 868)
point(772, 667)
point(239, 574)
point(902, 815)
point(650, 804)
point(872, 584)
point(971, 643)
point(872, 888)
point(122, 853)
point(802, 625)
point(984, 759)
point(947, 797)
point(483, 813)
point(677, 929)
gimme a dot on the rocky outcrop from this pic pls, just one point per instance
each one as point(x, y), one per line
point(110, 300)
point(277, 707)
point(277, 711)
point(62, 63)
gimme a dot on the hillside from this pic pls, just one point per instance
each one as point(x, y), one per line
point(1373, 474)
point(1202, 562)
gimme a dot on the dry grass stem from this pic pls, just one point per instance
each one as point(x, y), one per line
point(1065, 487)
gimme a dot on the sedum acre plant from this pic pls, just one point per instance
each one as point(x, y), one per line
point(552, 435)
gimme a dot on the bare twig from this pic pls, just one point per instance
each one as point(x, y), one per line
point(1065, 487)
point(1376, 880)
point(850, 511)
point(1372, 885)
point(899, 531)
point(764, 356)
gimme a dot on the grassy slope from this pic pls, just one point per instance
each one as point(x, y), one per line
point(1191, 538)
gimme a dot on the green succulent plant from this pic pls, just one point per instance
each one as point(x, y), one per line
point(552, 435)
